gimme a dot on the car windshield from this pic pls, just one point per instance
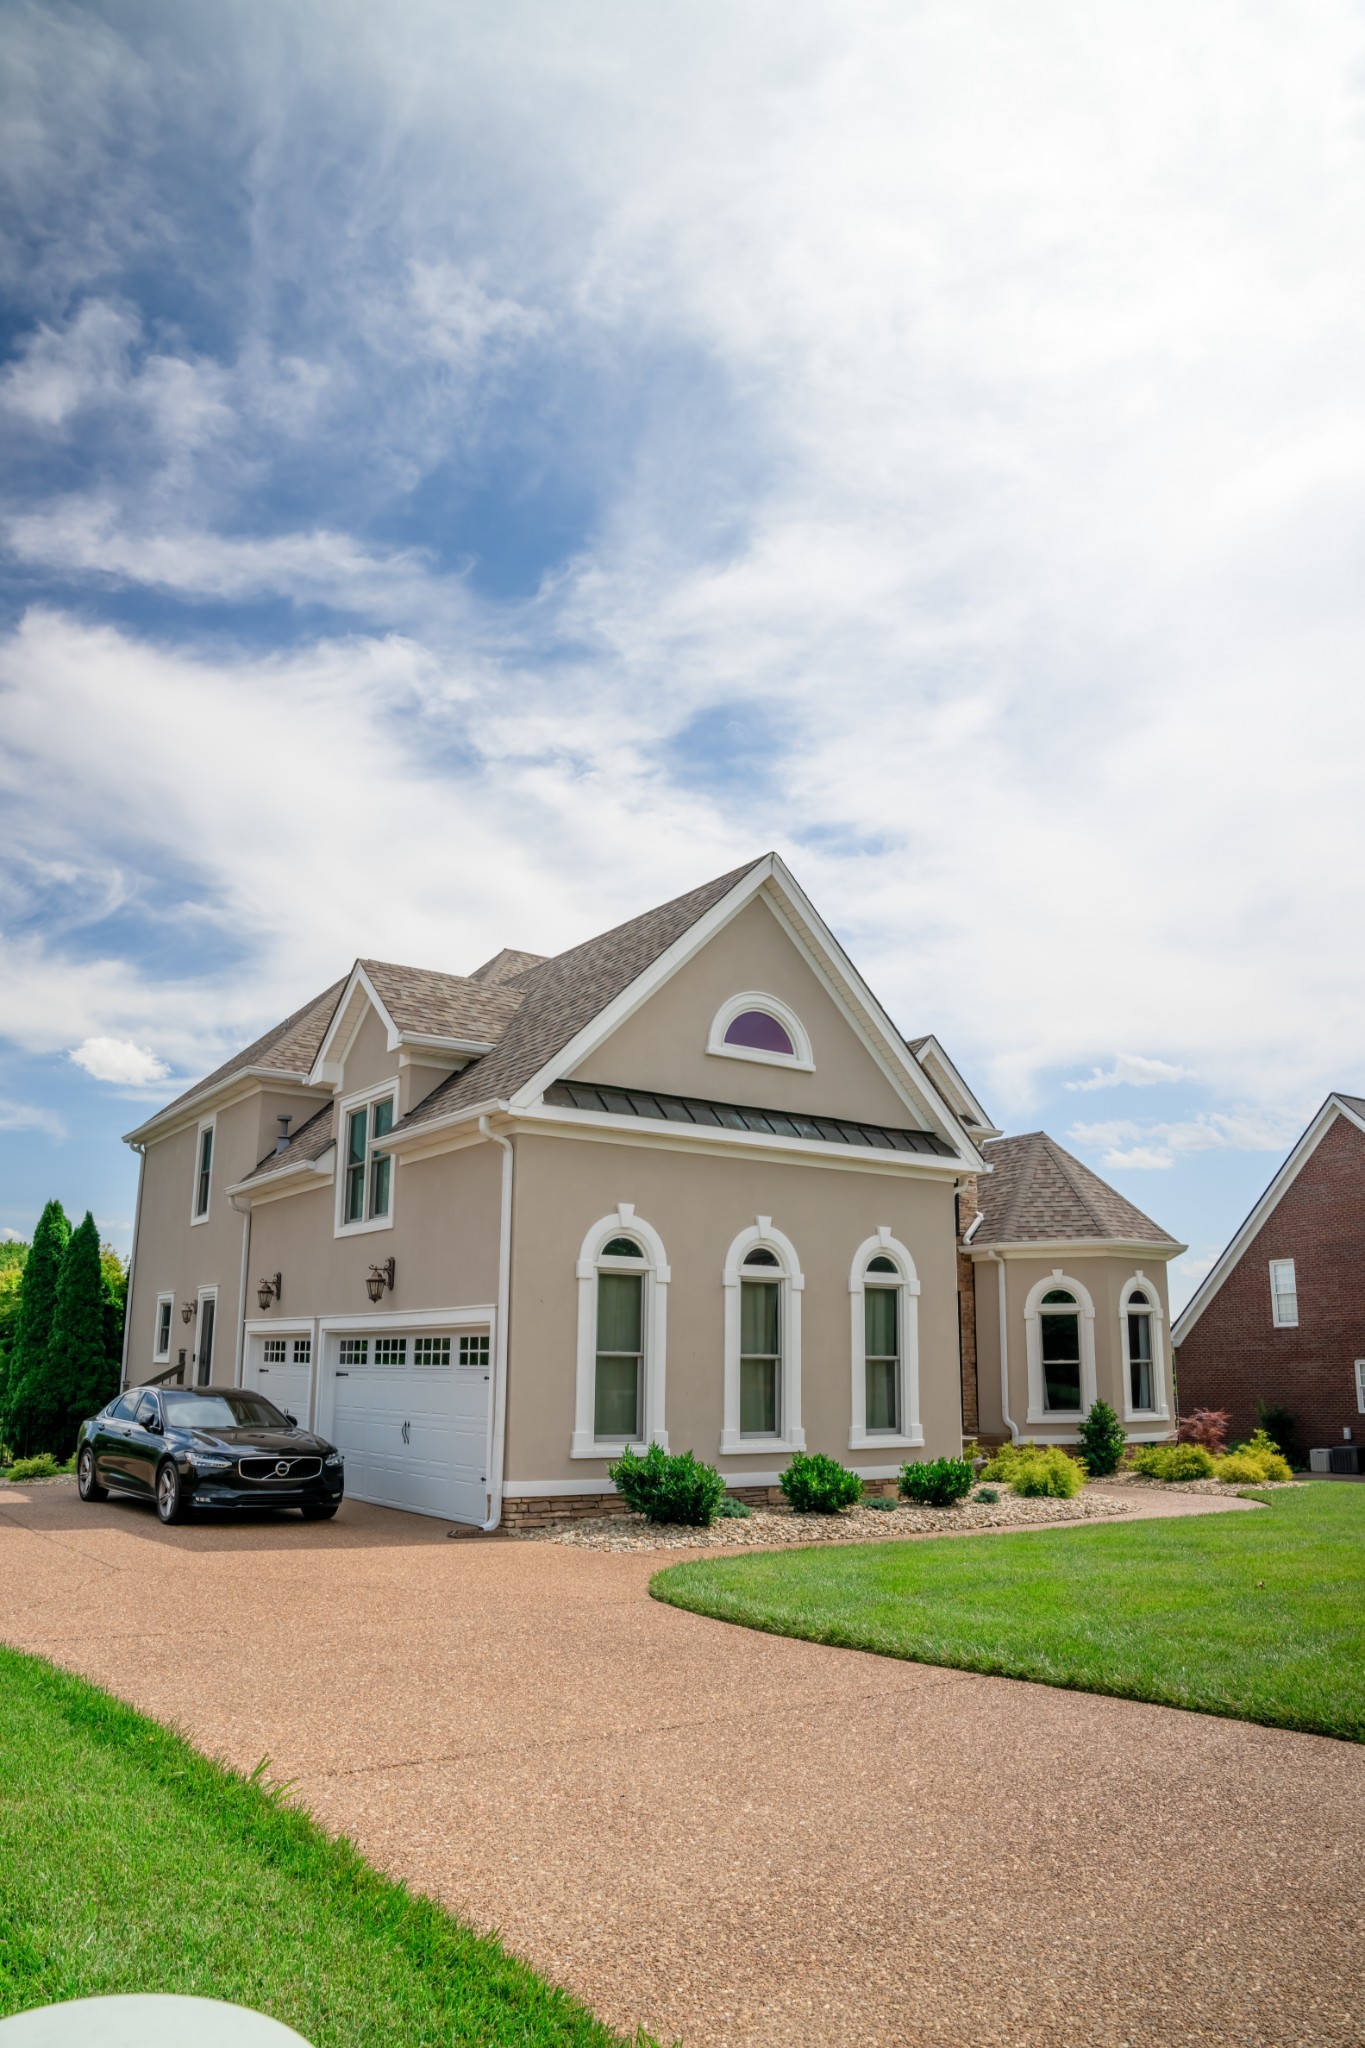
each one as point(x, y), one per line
point(222, 1411)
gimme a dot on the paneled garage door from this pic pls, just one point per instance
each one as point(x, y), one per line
point(410, 1415)
point(282, 1369)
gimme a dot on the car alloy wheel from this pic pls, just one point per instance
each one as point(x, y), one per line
point(170, 1494)
point(87, 1485)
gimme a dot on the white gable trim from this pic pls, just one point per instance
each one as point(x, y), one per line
point(822, 953)
point(331, 1054)
point(951, 1085)
point(1293, 1166)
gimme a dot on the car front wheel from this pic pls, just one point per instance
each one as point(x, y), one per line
point(171, 1503)
point(87, 1480)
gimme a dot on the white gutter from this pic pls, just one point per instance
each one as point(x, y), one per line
point(244, 1211)
point(1011, 1424)
point(498, 1417)
point(141, 1151)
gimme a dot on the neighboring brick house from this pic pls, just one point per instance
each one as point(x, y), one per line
point(1281, 1317)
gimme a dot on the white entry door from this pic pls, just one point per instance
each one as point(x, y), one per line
point(282, 1369)
point(410, 1416)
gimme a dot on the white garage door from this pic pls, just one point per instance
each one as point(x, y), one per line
point(410, 1415)
point(282, 1368)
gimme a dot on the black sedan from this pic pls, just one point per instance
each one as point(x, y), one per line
point(207, 1447)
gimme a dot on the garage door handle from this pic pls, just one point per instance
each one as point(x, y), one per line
point(406, 1438)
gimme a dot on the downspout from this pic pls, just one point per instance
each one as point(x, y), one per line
point(141, 1151)
point(1005, 1353)
point(244, 1211)
point(498, 1419)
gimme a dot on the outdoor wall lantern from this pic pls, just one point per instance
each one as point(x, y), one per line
point(380, 1277)
point(188, 1311)
point(268, 1291)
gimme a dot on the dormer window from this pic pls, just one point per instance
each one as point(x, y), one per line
point(365, 1199)
point(763, 1028)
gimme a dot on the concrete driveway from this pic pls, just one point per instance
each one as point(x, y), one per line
point(722, 1835)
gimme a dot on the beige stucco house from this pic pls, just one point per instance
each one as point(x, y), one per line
point(684, 1183)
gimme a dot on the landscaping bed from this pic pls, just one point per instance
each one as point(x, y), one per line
point(1222, 1488)
point(770, 1528)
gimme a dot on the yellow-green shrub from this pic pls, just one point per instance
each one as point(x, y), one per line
point(1173, 1462)
point(1036, 1469)
point(1254, 1463)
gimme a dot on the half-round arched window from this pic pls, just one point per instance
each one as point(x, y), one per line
point(1059, 1319)
point(760, 1027)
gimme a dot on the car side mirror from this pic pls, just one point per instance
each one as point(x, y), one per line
point(153, 1423)
point(292, 1420)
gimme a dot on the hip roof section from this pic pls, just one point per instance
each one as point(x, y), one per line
point(1036, 1193)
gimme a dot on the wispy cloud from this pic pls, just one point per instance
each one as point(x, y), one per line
point(1160, 1145)
point(26, 1116)
point(1131, 1070)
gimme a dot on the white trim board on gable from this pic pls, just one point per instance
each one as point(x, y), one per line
point(1333, 1109)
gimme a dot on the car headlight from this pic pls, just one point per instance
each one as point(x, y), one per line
point(333, 1458)
point(204, 1461)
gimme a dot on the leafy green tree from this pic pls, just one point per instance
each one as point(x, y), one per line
point(115, 1276)
point(12, 1257)
point(80, 1371)
point(32, 1419)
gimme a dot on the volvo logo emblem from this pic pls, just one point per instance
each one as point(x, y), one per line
point(282, 1468)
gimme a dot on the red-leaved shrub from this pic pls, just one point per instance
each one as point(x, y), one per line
point(1206, 1426)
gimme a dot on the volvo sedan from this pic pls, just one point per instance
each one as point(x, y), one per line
point(207, 1447)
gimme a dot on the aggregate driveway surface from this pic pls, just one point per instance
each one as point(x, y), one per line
point(718, 1834)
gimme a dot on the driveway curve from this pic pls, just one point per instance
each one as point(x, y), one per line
point(724, 1836)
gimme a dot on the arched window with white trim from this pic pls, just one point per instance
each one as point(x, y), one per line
point(883, 1289)
point(623, 1281)
point(760, 1027)
point(1059, 1329)
point(1143, 1350)
point(763, 1284)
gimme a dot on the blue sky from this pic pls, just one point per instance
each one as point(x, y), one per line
point(472, 472)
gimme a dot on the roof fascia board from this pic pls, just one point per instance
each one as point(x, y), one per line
point(327, 1066)
point(466, 1048)
point(234, 1087)
point(288, 1180)
point(931, 1049)
point(1058, 1247)
point(1279, 1187)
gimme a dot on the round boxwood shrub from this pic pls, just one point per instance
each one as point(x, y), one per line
point(937, 1482)
point(1173, 1462)
point(668, 1489)
point(1047, 1471)
point(817, 1485)
point(1102, 1440)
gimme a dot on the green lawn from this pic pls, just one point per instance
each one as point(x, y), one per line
point(128, 1862)
point(1260, 1616)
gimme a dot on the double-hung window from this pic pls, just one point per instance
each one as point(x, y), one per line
point(1284, 1294)
point(1060, 1331)
point(367, 1173)
point(165, 1309)
point(203, 1171)
point(618, 1400)
point(882, 1345)
point(1141, 1364)
point(760, 1347)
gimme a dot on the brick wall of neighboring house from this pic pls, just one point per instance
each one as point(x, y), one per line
point(1234, 1354)
point(967, 1208)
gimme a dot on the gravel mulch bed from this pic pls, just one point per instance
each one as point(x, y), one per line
point(767, 1528)
point(54, 1479)
point(1217, 1486)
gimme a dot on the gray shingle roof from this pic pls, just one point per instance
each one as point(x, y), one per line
point(561, 995)
point(443, 1005)
point(1037, 1193)
point(308, 1142)
point(288, 1048)
point(505, 964)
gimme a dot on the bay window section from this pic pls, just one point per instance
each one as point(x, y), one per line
point(1141, 1378)
point(1060, 1332)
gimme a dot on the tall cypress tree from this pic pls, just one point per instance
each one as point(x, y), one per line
point(79, 1368)
point(32, 1419)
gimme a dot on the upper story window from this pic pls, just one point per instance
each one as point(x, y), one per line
point(1060, 1333)
point(203, 1173)
point(165, 1309)
point(763, 1028)
point(1141, 1381)
point(366, 1197)
point(1284, 1294)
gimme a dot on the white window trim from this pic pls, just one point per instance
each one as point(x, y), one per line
point(788, 1273)
point(209, 1123)
point(1161, 1412)
point(1360, 1385)
point(911, 1434)
point(654, 1270)
point(204, 1294)
point(344, 1109)
point(1033, 1342)
point(801, 1058)
point(1283, 1322)
point(159, 1356)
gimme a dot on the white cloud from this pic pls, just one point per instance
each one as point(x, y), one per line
point(26, 1116)
point(119, 1059)
point(11, 1236)
point(1131, 1070)
point(1159, 1145)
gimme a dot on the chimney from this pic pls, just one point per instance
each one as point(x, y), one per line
point(282, 1140)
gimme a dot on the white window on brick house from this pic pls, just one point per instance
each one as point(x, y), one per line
point(1284, 1295)
point(1360, 1385)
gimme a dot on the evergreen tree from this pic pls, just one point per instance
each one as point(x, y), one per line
point(32, 1421)
point(79, 1369)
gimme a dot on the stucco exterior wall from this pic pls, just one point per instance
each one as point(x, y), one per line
point(663, 1045)
point(1103, 1275)
point(698, 1205)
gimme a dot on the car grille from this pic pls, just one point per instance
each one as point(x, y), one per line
point(280, 1469)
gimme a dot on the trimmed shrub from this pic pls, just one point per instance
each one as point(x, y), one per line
point(817, 1485)
point(989, 1495)
point(937, 1482)
point(1255, 1461)
point(1102, 1440)
point(880, 1502)
point(732, 1510)
point(1281, 1427)
point(669, 1489)
point(1206, 1426)
point(1049, 1471)
point(1173, 1462)
point(44, 1466)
